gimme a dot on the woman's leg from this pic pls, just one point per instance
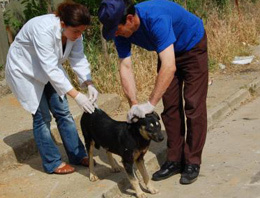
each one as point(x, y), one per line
point(66, 126)
point(48, 150)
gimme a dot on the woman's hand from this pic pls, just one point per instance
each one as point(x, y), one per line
point(93, 93)
point(84, 103)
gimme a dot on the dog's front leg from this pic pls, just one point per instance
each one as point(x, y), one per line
point(92, 175)
point(114, 165)
point(141, 167)
point(134, 182)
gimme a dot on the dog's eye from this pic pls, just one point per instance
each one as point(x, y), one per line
point(151, 124)
point(157, 123)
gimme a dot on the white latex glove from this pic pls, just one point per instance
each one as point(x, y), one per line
point(140, 111)
point(93, 93)
point(130, 113)
point(84, 103)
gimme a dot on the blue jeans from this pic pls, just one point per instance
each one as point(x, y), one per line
point(49, 152)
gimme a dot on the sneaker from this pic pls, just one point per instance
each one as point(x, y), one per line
point(168, 169)
point(190, 174)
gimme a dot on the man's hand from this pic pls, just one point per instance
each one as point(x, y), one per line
point(84, 103)
point(93, 93)
point(139, 111)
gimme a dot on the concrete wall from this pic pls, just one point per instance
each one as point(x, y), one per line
point(3, 40)
point(3, 3)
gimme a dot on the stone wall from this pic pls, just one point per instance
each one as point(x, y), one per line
point(3, 41)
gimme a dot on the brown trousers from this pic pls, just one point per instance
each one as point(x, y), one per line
point(190, 85)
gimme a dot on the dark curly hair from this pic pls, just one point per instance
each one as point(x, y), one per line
point(73, 14)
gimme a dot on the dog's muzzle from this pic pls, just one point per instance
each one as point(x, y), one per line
point(157, 136)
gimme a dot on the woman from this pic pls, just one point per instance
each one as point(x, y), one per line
point(35, 75)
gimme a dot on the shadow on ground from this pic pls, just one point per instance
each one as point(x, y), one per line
point(26, 153)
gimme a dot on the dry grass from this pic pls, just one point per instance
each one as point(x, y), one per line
point(107, 77)
point(229, 35)
point(105, 74)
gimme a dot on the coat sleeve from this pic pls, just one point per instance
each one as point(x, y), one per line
point(44, 44)
point(79, 62)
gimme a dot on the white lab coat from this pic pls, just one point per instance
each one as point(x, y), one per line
point(35, 58)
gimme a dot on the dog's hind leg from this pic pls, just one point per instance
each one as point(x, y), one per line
point(92, 175)
point(141, 167)
point(133, 180)
point(114, 165)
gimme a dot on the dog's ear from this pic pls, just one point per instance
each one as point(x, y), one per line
point(156, 115)
point(134, 119)
point(153, 114)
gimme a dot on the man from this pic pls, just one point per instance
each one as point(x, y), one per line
point(180, 41)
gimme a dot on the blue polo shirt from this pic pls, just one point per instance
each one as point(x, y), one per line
point(162, 23)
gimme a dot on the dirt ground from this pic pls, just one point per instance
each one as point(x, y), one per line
point(28, 177)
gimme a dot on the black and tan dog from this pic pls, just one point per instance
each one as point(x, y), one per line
point(130, 141)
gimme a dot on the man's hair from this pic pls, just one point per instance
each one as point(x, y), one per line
point(73, 14)
point(129, 9)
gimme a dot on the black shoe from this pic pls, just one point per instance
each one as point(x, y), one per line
point(190, 174)
point(168, 169)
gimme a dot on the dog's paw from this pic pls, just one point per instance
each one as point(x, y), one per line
point(141, 195)
point(93, 178)
point(151, 189)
